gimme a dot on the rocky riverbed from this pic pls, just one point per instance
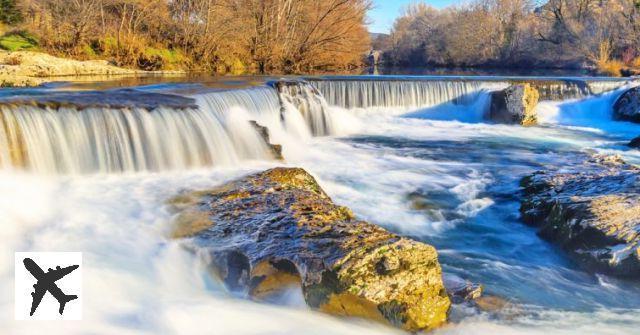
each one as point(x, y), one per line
point(591, 210)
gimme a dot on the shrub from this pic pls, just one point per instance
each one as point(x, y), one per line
point(88, 51)
point(18, 40)
point(169, 59)
point(611, 68)
point(13, 60)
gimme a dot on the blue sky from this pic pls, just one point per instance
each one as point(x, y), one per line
point(386, 11)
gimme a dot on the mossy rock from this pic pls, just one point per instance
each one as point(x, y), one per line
point(270, 226)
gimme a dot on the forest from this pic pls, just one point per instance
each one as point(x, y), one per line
point(220, 36)
point(600, 34)
point(302, 36)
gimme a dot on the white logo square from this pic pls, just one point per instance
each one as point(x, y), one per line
point(48, 285)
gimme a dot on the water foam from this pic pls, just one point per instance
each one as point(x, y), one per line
point(121, 223)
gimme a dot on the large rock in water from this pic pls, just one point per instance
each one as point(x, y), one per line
point(265, 229)
point(634, 143)
point(514, 105)
point(627, 107)
point(592, 210)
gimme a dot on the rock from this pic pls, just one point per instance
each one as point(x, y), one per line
point(461, 290)
point(592, 210)
point(276, 149)
point(270, 226)
point(116, 99)
point(514, 105)
point(627, 107)
point(491, 304)
point(634, 143)
point(28, 68)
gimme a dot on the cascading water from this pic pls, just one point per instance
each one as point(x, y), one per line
point(301, 96)
point(405, 94)
point(68, 140)
point(419, 93)
point(604, 86)
point(426, 175)
point(102, 139)
point(216, 131)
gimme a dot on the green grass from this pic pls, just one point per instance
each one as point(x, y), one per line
point(18, 41)
point(172, 59)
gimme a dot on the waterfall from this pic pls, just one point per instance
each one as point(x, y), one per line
point(604, 86)
point(400, 93)
point(74, 141)
point(101, 139)
point(78, 136)
point(304, 98)
point(421, 93)
point(80, 139)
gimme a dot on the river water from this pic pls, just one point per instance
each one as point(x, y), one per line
point(414, 157)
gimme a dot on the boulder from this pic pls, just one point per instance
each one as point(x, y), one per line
point(627, 107)
point(592, 210)
point(514, 105)
point(276, 149)
point(461, 290)
point(267, 229)
point(634, 143)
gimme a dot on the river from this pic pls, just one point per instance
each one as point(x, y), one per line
point(412, 154)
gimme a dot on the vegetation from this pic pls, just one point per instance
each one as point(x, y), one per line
point(209, 35)
point(9, 12)
point(18, 40)
point(295, 36)
point(519, 33)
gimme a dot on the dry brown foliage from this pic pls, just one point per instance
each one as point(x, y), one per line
point(213, 35)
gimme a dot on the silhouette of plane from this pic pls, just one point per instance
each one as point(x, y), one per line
point(47, 282)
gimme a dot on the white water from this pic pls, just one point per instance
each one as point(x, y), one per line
point(405, 94)
point(304, 99)
point(139, 281)
point(108, 140)
point(411, 94)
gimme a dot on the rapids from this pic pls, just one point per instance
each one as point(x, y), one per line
point(412, 156)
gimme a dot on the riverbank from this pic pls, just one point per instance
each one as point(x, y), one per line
point(28, 68)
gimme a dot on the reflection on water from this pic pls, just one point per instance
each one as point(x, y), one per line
point(440, 71)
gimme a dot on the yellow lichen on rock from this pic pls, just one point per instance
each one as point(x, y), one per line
point(352, 305)
point(270, 281)
point(404, 272)
point(530, 100)
point(515, 105)
point(278, 226)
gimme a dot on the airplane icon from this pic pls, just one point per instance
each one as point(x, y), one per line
point(46, 282)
